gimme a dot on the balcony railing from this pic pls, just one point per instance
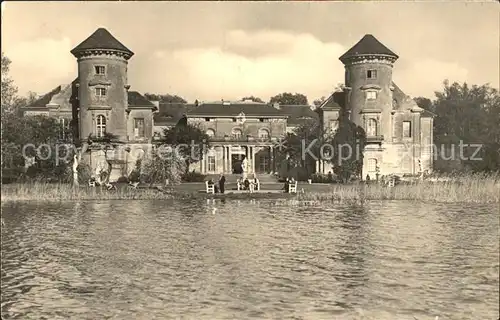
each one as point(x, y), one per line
point(375, 139)
point(243, 139)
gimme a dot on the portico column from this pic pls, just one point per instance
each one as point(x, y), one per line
point(271, 159)
point(253, 159)
point(229, 158)
point(202, 164)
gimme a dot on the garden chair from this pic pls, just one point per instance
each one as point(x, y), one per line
point(134, 184)
point(110, 186)
point(292, 188)
point(91, 183)
point(210, 187)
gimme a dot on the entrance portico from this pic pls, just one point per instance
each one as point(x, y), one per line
point(227, 158)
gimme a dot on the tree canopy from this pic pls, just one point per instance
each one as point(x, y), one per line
point(287, 98)
point(467, 114)
point(166, 98)
point(254, 99)
point(190, 140)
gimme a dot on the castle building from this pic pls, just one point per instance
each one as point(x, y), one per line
point(99, 102)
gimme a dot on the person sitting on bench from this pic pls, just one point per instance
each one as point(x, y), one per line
point(246, 184)
point(287, 183)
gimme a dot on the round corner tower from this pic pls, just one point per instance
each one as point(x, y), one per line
point(102, 86)
point(368, 77)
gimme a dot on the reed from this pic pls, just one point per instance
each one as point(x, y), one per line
point(472, 188)
point(63, 192)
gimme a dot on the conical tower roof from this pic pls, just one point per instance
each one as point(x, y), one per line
point(101, 39)
point(368, 45)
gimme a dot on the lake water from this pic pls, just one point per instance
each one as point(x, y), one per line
point(249, 260)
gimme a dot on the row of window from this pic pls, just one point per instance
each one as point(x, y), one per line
point(238, 133)
point(372, 128)
point(139, 128)
point(239, 119)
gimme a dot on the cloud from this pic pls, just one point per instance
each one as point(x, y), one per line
point(424, 77)
point(263, 64)
point(42, 64)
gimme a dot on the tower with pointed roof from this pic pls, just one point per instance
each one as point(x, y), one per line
point(368, 79)
point(102, 85)
point(398, 133)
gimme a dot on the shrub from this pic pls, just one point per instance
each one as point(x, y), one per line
point(122, 179)
point(193, 177)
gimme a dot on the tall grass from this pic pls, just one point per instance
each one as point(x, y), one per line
point(478, 188)
point(60, 192)
point(472, 188)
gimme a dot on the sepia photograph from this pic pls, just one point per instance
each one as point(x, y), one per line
point(234, 160)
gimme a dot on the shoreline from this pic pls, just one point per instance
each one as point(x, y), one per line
point(481, 191)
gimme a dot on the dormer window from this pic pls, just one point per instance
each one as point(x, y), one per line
point(371, 74)
point(207, 119)
point(100, 70)
point(371, 95)
point(100, 92)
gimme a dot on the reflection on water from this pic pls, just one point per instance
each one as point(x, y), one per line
point(248, 260)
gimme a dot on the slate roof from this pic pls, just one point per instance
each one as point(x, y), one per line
point(101, 39)
point(170, 113)
point(367, 45)
point(298, 114)
point(45, 99)
point(135, 99)
point(234, 109)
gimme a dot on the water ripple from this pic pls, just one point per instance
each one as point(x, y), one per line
point(248, 260)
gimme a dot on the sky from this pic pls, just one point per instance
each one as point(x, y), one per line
point(228, 50)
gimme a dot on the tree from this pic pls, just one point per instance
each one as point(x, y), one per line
point(302, 148)
point(166, 98)
point(425, 103)
point(468, 115)
point(348, 145)
point(9, 90)
point(254, 99)
point(165, 164)
point(319, 101)
point(287, 98)
point(190, 141)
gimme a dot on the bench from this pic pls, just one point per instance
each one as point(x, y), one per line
point(256, 185)
point(210, 187)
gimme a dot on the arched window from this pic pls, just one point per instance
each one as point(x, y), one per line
point(371, 129)
point(100, 126)
point(371, 165)
point(237, 133)
point(263, 133)
point(210, 133)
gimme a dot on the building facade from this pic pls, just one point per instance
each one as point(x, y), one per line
point(244, 134)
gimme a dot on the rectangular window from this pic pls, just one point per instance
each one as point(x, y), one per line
point(100, 92)
point(371, 74)
point(211, 163)
point(371, 95)
point(406, 129)
point(100, 70)
point(372, 165)
point(139, 128)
